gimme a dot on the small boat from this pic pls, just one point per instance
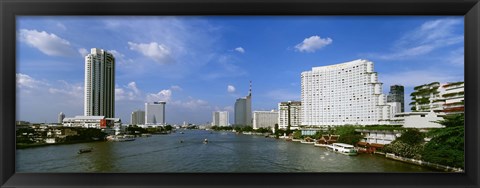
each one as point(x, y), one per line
point(181, 132)
point(205, 141)
point(84, 150)
point(342, 148)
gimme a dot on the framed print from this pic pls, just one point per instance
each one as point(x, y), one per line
point(239, 93)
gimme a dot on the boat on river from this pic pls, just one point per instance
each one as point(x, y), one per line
point(85, 150)
point(342, 148)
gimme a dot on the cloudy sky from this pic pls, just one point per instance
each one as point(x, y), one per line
point(202, 64)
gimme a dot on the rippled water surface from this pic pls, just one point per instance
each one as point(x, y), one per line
point(225, 152)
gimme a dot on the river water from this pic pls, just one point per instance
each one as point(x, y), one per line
point(225, 152)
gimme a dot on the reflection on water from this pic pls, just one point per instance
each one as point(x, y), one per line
point(225, 152)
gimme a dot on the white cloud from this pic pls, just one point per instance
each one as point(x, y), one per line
point(428, 37)
point(61, 26)
point(133, 86)
point(176, 88)
point(128, 92)
point(240, 50)
point(38, 101)
point(25, 81)
point(312, 44)
point(158, 52)
point(230, 89)
point(83, 52)
point(48, 43)
point(192, 103)
point(164, 95)
point(73, 90)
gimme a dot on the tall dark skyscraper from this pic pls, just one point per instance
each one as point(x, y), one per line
point(243, 109)
point(397, 95)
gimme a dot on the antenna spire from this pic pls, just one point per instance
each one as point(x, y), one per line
point(250, 90)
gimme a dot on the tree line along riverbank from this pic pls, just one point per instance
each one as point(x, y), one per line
point(441, 147)
point(42, 135)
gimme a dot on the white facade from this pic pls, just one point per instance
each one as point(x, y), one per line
point(346, 93)
point(395, 107)
point(220, 118)
point(379, 136)
point(295, 114)
point(137, 117)
point(454, 96)
point(264, 119)
point(155, 113)
point(99, 90)
point(419, 119)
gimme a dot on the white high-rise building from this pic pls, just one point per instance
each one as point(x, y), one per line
point(155, 113)
point(99, 84)
point(220, 118)
point(265, 119)
point(137, 117)
point(340, 94)
point(295, 114)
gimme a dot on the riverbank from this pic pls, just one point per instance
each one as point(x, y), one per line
point(421, 163)
point(25, 146)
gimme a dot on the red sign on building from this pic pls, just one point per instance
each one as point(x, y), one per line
point(103, 123)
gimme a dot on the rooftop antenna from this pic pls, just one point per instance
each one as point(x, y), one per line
point(250, 90)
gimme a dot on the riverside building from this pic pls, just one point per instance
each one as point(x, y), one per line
point(155, 113)
point(445, 98)
point(341, 94)
point(295, 114)
point(454, 96)
point(427, 97)
point(98, 122)
point(137, 117)
point(220, 118)
point(243, 109)
point(264, 119)
point(99, 84)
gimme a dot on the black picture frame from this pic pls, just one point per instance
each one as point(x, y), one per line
point(11, 8)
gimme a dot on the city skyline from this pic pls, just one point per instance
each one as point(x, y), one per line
point(203, 64)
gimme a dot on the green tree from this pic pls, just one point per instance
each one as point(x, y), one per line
point(447, 144)
point(297, 134)
point(453, 120)
point(412, 137)
point(276, 130)
point(410, 144)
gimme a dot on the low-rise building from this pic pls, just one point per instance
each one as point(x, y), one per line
point(384, 137)
point(99, 122)
point(454, 96)
point(418, 119)
point(264, 119)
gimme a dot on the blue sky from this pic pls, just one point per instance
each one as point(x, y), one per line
point(202, 64)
